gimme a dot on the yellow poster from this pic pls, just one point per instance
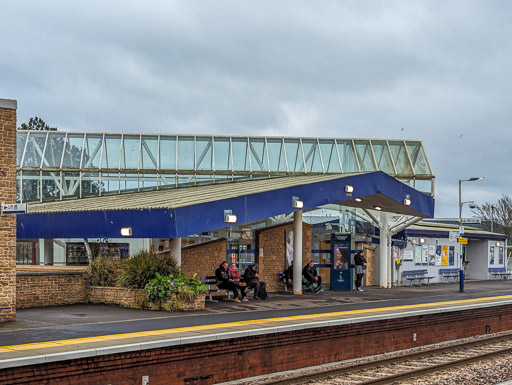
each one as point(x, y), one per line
point(445, 255)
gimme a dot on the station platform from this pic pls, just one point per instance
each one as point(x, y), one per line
point(46, 335)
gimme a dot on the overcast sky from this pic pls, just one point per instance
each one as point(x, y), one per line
point(441, 70)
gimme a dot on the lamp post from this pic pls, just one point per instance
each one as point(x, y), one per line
point(493, 207)
point(461, 272)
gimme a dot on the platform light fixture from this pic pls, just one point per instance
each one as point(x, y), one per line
point(349, 189)
point(297, 203)
point(498, 244)
point(422, 240)
point(407, 200)
point(229, 217)
point(358, 200)
point(126, 231)
point(378, 208)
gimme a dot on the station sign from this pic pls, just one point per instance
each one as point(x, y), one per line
point(463, 241)
point(13, 208)
point(453, 236)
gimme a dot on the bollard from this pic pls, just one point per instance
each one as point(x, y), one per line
point(461, 281)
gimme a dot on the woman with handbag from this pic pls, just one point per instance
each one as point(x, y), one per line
point(237, 279)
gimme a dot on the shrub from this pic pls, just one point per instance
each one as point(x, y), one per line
point(162, 287)
point(102, 272)
point(144, 266)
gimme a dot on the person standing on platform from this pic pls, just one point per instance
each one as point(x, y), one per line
point(223, 280)
point(360, 263)
point(311, 275)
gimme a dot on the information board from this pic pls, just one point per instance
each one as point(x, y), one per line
point(341, 251)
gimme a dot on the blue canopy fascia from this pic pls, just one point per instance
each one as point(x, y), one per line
point(407, 233)
point(193, 219)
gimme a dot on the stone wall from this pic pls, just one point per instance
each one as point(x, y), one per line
point(49, 287)
point(8, 222)
point(203, 258)
point(137, 299)
point(272, 242)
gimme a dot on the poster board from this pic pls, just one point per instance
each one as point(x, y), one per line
point(288, 258)
point(417, 254)
point(431, 255)
point(451, 256)
point(500, 256)
point(445, 256)
point(491, 255)
point(424, 254)
point(439, 254)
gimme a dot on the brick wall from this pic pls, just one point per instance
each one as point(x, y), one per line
point(203, 258)
point(8, 222)
point(272, 241)
point(49, 288)
point(207, 363)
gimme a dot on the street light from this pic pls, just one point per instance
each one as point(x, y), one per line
point(460, 193)
point(461, 272)
point(493, 207)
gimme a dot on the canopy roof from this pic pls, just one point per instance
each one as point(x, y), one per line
point(180, 212)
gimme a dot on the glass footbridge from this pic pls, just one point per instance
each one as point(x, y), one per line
point(56, 165)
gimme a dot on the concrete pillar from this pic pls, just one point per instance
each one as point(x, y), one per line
point(383, 251)
point(176, 249)
point(8, 221)
point(297, 252)
point(48, 253)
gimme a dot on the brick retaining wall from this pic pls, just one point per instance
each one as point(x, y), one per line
point(49, 288)
point(227, 360)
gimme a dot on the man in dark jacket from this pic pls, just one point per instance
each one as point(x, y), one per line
point(252, 279)
point(223, 280)
point(311, 275)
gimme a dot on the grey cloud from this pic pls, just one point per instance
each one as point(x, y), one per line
point(343, 69)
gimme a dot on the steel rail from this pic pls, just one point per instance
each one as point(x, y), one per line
point(334, 372)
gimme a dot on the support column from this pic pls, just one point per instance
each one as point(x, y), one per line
point(383, 251)
point(48, 253)
point(176, 249)
point(297, 252)
point(8, 221)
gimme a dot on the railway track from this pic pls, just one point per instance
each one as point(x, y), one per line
point(400, 368)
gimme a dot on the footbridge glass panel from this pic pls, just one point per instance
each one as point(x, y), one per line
point(55, 165)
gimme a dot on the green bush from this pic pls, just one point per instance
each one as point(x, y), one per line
point(161, 287)
point(102, 272)
point(144, 266)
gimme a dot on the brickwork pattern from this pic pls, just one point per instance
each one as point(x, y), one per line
point(7, 222)
point(272, 241)
point(135, 299)
point(203, 258)
point(252, 356)
point(38, 289)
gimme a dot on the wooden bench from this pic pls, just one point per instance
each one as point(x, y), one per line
point(450, 273)
point(211, 280)
point(419, 275)
point(499, 272)
point(282, 278)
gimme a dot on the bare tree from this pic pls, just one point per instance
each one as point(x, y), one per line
point(500, 216)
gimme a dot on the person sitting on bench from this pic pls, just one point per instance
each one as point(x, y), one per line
point(252, 279)
point(224, 282)
point(237, 279)
point(311, 276)
point(288, 274)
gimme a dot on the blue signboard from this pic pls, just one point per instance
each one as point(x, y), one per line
point(341, 247)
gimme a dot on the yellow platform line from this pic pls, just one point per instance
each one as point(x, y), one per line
point(310, 317)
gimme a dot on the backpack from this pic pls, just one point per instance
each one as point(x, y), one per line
point(262, 293)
